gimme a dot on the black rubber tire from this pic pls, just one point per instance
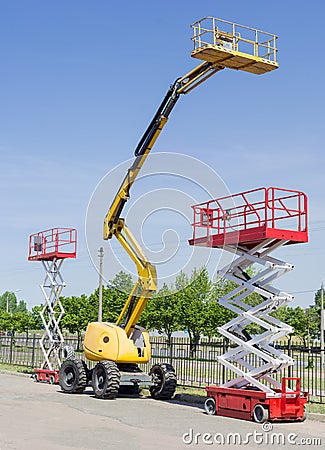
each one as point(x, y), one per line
point(68, 352)
point(52, 379)
point(260, 414)
point(210, 406)
point(73, 376)
point(165, 382)
point(106, 380)
point(87, 371)
point(304, 417)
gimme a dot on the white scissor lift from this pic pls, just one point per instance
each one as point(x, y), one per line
point(251, 225)
point(52, 247)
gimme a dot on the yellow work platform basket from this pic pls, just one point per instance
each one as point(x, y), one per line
point(234, 46)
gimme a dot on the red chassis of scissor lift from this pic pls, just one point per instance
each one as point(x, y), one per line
point(46, 376)
point(284, 405)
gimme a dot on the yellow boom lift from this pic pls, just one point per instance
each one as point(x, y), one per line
point(119, 348)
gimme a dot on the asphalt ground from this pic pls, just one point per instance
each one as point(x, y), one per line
point(39, 416)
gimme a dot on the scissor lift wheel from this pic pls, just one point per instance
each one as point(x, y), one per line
point(260, 413)
point(210, 406)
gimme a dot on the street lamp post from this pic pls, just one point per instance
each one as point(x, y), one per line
point(100, 289)
point(10, 292)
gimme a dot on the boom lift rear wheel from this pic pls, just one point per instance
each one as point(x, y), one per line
point(164, 379)
point(73, 376)
point(106, 379)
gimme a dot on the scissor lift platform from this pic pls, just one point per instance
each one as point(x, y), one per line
point(251, 225)
point(55, 243)
point(234, 46)
point(251, 218)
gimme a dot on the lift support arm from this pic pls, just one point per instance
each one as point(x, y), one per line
point(115, 225)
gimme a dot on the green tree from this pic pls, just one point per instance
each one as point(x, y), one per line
point(17, 322)
point(22, 322)
point(304, 322)
point(36, 321)
point(78, 313)
point(161, 313)
point(5, 321)
point(313, 322)
point(317, 299)
point(217, 315)
point(8, 302)
point(193, 295)
point(21, 307)
point(122, 282)
point(115, 296)
point(113, 301)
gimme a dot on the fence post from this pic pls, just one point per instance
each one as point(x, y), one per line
point(290, 356)
point(11, 346)
point(171, 346)
point(33, 350)
point(224, 350)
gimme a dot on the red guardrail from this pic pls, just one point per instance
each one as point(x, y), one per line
point(55, 242)
point(270, 208)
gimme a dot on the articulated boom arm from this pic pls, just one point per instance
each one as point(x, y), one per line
point(115, 225)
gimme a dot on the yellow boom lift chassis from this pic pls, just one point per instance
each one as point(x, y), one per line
point(118, 348)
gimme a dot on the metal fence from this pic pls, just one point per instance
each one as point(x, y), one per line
point(196, 369)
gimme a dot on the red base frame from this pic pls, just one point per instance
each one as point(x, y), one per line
point(240, 403)
point(47, 376)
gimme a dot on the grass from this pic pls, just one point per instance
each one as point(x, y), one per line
point(191, 391)
point(316, 408)
point(14, 368)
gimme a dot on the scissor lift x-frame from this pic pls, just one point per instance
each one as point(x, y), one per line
point(251, 225)
point(52, 247)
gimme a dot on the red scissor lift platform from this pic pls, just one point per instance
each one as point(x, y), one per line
point(52, 247)
point(59, 243)
point(251, 225)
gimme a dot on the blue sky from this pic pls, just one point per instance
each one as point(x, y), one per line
point(80, 81)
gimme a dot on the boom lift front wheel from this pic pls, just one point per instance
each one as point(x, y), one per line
point(164, 379)
point(106, 379)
